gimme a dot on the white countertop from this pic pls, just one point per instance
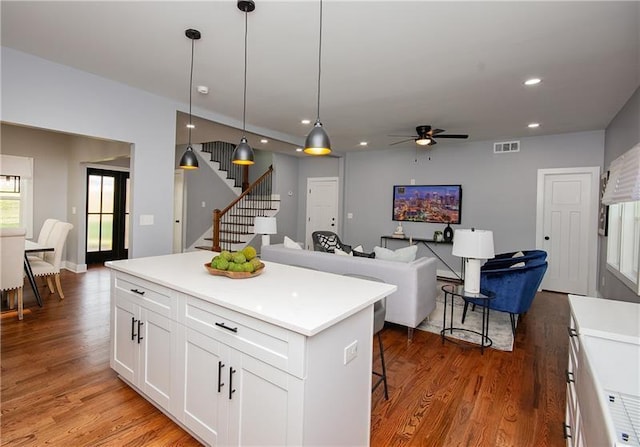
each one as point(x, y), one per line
point(610, 319)
point(302, 300)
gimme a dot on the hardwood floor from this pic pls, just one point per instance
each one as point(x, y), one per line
point(58, 389)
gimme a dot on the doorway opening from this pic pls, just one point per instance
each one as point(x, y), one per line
point(107, 219)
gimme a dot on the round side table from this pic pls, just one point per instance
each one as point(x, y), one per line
point(451, 291)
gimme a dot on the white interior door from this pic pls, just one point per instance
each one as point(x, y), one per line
point(566, 228)
point(178, 209)
point(322, 207)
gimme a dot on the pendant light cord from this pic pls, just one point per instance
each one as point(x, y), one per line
point(244, 107)
point(191, 90)
point(319, 62)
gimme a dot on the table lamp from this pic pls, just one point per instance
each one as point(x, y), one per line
point(265, 226)
point(474, 246)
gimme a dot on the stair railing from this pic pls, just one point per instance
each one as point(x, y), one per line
point(238, 217)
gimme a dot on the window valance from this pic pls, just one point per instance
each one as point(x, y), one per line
point(624, 178)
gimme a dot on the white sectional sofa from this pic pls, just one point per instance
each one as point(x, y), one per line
point(417, 290)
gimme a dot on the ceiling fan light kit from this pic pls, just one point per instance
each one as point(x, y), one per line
point(189, 159)
point(317, 142)
point(243, 154)
point(426, 136)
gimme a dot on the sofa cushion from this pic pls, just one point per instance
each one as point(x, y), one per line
point(405, 254)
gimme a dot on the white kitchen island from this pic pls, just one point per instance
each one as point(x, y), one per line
point(603, 374)
point(283, 358)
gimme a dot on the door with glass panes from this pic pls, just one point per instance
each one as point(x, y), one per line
point(107, 215)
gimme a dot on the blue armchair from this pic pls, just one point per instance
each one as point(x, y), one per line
point(504, 260)
point(515, 288)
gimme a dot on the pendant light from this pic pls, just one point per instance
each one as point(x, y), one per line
point(243, 154)
point(190, 160)
point(317, 142)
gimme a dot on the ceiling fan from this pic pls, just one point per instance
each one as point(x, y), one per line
point(426, 136)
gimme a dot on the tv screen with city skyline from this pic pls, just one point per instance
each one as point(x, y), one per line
point(427, 203)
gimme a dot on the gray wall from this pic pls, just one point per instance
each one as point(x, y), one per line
point(286, 185)
point(621, 135)
point(499, 190)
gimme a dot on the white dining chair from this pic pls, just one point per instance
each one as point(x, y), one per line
point(49, 266)
point(45, 231)
point(12, 264)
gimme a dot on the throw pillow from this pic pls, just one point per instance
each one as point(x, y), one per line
point(518, 255)
point(339, 252)
point(406, 254)
point(290, 243)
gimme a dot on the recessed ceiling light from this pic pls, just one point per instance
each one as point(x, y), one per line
point(306, 121)
point(203, 89)
point(533, 81)
point(298, 149)
point(533, 125)
point(191, 126)
point(264, 141)
point(363, 143)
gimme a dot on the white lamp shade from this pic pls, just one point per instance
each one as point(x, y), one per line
point(265, 225)
point(473, 244)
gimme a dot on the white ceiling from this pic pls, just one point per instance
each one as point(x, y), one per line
point(387, 66)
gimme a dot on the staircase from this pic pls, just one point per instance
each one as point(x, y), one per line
point(232, 227)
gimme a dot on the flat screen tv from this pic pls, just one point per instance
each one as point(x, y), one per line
point(427, 203)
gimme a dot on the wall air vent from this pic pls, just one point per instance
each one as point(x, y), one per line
point(506, 147)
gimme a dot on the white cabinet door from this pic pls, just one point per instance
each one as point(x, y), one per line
point(157, 356)
point(124, 355)
point(265, 404)
point(144, 351)
point(204, 385)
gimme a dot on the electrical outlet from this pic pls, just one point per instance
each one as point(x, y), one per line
point(351, 352)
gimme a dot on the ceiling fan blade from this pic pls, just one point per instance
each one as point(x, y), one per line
point(401, 141)
point(433, 141)
point(435, 132)
point(403, 136)
point(453, 136)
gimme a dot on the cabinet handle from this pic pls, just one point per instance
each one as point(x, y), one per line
point(572, 332)
point(220, 384)
point(133, 330)
point(139, 292)
point(566, 433)
point(570, 377)
point(140, 323)
point(224, 326)
point(231, 390)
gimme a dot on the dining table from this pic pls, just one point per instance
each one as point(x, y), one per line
point(34, 247)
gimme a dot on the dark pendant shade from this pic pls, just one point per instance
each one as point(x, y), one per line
point(189, 159)
point(243, 154)
point(317, 142)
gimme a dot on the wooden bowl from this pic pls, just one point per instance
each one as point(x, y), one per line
point(234, 275)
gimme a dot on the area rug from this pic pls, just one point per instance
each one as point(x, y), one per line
point(499, 324)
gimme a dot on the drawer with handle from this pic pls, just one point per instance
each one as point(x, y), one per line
point(276, 346)
point(148, 295)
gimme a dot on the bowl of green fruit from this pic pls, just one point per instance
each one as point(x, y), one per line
point(237, 265)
